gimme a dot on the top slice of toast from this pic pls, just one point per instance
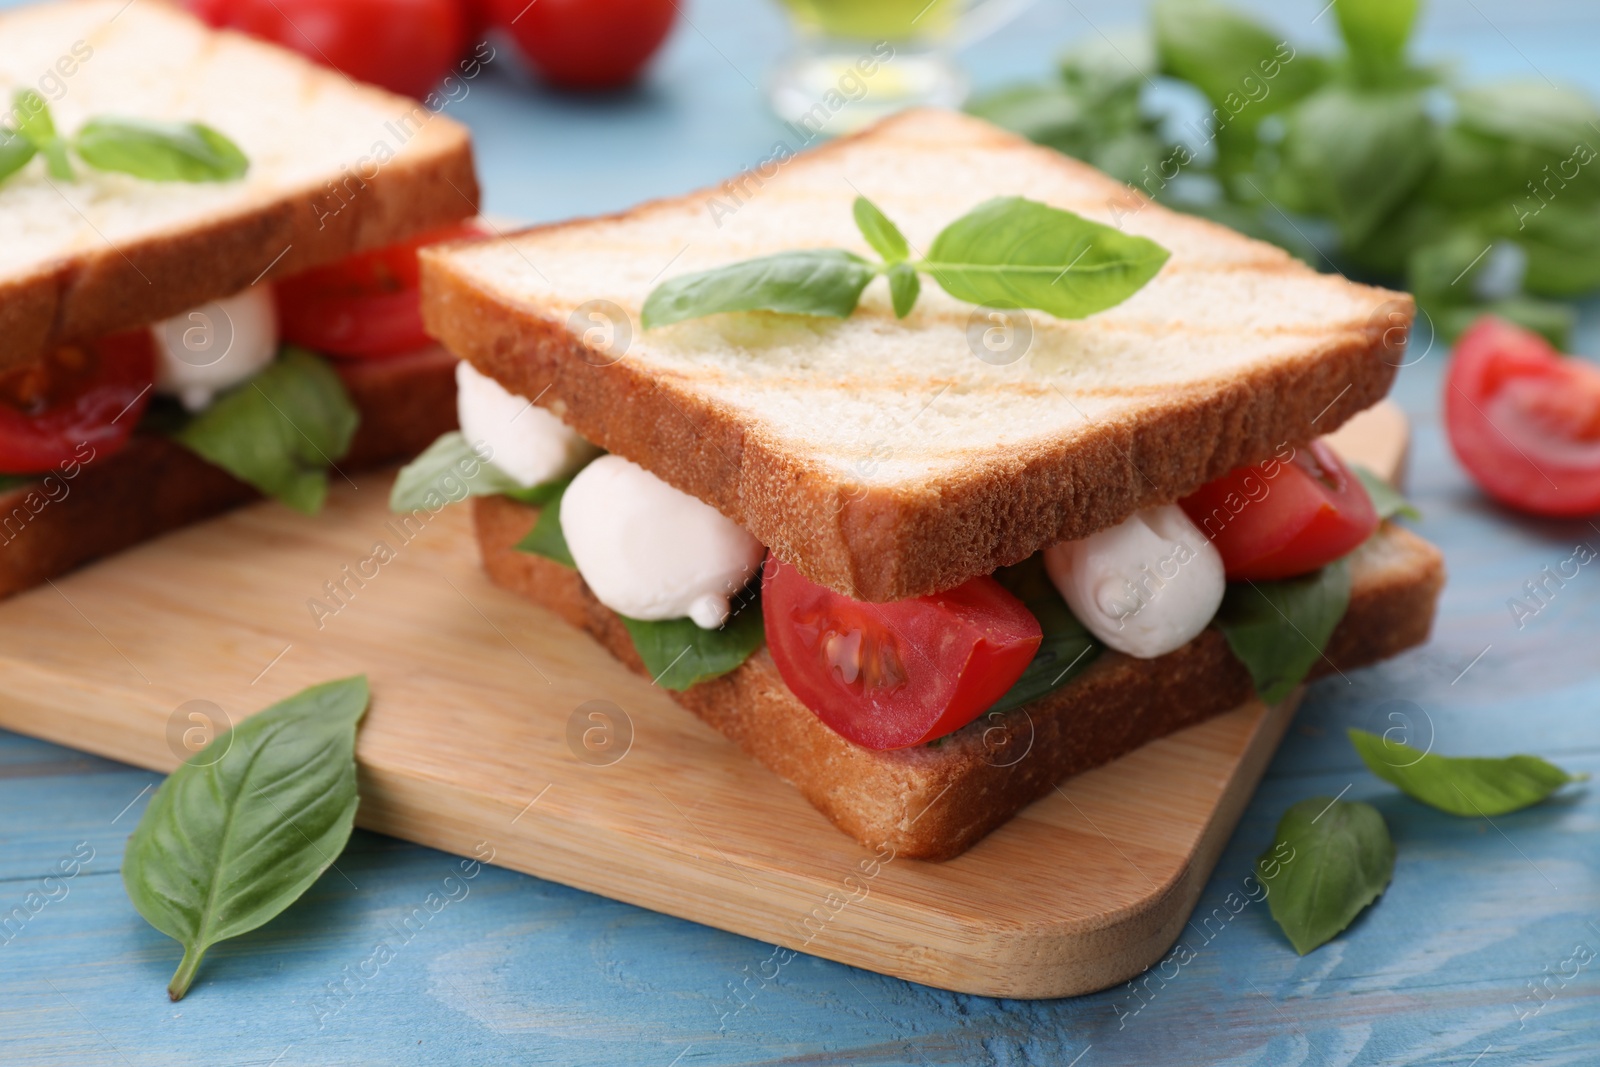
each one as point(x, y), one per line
point(886, 458)
point(334, 167)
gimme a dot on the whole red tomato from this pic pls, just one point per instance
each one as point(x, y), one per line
point(406, 46)
point(586, 44)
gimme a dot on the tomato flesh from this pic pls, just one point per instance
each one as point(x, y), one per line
point(82, 403)
point(897, 674)
point(1284, 517)
point(1525, 420)
point(406, 46)
point(367, 306)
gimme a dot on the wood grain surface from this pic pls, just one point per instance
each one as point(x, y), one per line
point(482, 737)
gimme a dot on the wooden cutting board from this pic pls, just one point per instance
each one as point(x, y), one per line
point(497, 731)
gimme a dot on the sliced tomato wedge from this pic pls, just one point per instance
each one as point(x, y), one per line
point(368, 306)
point(897, 674)
point(81, 403)
point(1282, 518)
point(1525, 420)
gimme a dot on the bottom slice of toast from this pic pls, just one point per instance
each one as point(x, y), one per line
point(154, 484)
point(936, 801)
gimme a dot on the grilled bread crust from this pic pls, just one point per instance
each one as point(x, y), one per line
point(935, 802)
point(886, 459)
point(154, 484)
point(107, 252)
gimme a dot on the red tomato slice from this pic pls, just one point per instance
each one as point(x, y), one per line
point(406, 46)
point(367, 306)
point(1279, 519)
point(897, 674)
point(1524, 420)
point(82, 404)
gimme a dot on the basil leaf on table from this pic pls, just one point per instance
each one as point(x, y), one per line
point(1011, 252)
point(546, 538)
point(159, 151)
point(679, 654)
point(450, 469)
point(231, 840)
point(1355, 155)
point(1067, 649)
point(818, 281)
point(1473, 787)
point(1330, 859)
point(1387, 501)
point(15, 152)
point(884, 236)
point(1279, 629)
point(280, 430)
point(35, 123)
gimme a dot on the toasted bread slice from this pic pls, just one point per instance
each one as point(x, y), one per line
point(886, 459)
point(334, 167)
point(155, 485)
point(935, 802)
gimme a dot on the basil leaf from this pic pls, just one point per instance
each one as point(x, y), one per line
point(1330, 859)
point(1528, 112)
point(159, 151)
point(1375, 32)
point(884, 236)
point(247, 824)
point(1468, 786)
point(679, 654)
point(1279, 629)
point(546, 538)
point(904, 288)
point(820, 281)
point(451, 470)
point(1387, 501)
point(1010, 252)
point(1230, 57)
point(280, 430)
point(35, 123)
point(1067, 649)
point(9, 482)
point(1355, 155)
point(15, 152)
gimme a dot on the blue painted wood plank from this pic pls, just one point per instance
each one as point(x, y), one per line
point(1446, 969)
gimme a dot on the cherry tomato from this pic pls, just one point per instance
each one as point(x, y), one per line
point(1284, 517)
point(1524, 420)
point(406, 46)
point(367, 306)
point(586, 44)
point(897, 674)
point(82, 403)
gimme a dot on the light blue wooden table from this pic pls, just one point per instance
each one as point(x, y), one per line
point(524, 971)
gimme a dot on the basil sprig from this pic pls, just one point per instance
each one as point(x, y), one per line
point(145, 148)
point(1466, 786)
point(1349, 138)
point(1279, 629)
point(451, 469)
point(1008, 252)
point(228, 842)
point(279, 431)
point(1330, 859)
